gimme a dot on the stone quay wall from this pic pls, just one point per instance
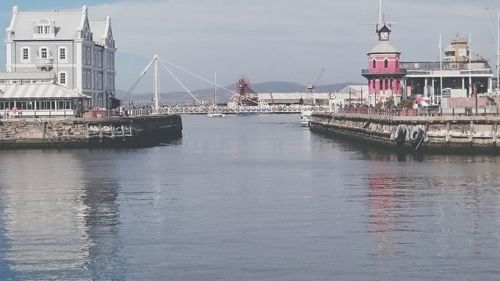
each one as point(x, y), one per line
point(415, 133)
point(87, 132)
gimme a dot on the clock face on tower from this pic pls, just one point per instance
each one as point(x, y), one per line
point(384, 35)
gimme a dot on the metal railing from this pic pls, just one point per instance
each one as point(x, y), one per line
point(44, 62)
point(446, 65)
point(379, 111)
point(242, 109)
point(401, 71)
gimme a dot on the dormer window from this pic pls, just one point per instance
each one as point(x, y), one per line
point(43, 28)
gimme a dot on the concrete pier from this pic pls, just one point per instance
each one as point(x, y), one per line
point(137, 131)
point(447, 134)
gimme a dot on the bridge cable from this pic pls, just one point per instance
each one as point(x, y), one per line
point(198, 76)
point(180, 83)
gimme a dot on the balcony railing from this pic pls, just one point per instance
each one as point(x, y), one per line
point(383, 71)
point(445, 65)
point(44, 62)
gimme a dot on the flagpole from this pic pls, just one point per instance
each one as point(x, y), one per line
point(440, 65)
point(380, 12)
point(498, 53)
point(469, 65)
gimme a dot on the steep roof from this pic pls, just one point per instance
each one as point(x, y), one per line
point(67, 23)
point(384, 47)
point(99, 30)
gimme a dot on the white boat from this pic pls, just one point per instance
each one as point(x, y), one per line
point(305, 117)
point(216, 115)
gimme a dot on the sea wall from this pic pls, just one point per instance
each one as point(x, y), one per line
point(88, 132)
point(414, 133)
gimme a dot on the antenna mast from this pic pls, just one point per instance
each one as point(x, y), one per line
point(440, 65)
point(498, 53)
point(380, 12)
point(469, 65)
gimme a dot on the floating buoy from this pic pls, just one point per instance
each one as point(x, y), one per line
point(416, 137)
point(400, 134)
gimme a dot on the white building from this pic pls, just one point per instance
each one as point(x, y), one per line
point(29, 94)
point(459, 74)
point(80, 53)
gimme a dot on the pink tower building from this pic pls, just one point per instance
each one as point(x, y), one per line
point(384, 73)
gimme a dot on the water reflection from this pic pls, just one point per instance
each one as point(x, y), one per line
point(101, 193)
point(389, 197)
point(59, 218)
point(368, 151)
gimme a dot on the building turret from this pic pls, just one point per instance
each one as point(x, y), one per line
point(384, 73)
point(458, 50)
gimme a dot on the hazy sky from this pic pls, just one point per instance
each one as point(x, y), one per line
point(275, 40)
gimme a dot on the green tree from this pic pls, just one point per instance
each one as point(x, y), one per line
point(407, 103)
point(389, 102)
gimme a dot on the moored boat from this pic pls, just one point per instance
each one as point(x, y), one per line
point(305, 118)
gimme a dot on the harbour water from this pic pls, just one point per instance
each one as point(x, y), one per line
point(248, 198)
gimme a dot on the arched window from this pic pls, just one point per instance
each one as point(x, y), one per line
point(374, 64)
point(43, 54)
point(386, 63)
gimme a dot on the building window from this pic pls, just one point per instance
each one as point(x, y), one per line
point(374, 64)
point(43, 53)
point(99, 81)
point(62, 53)
point(62, 78)
point(25, 54)
point(386, 63)
point(43, 28)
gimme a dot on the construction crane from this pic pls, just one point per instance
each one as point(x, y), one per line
point(310, 86)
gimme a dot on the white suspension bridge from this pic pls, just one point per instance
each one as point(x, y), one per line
point(200, 108)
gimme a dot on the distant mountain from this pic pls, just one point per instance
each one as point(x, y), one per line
point(223, 95)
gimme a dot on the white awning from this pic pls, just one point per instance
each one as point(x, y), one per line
point(38, 91)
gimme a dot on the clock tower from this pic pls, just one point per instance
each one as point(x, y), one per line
point(384, 73)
